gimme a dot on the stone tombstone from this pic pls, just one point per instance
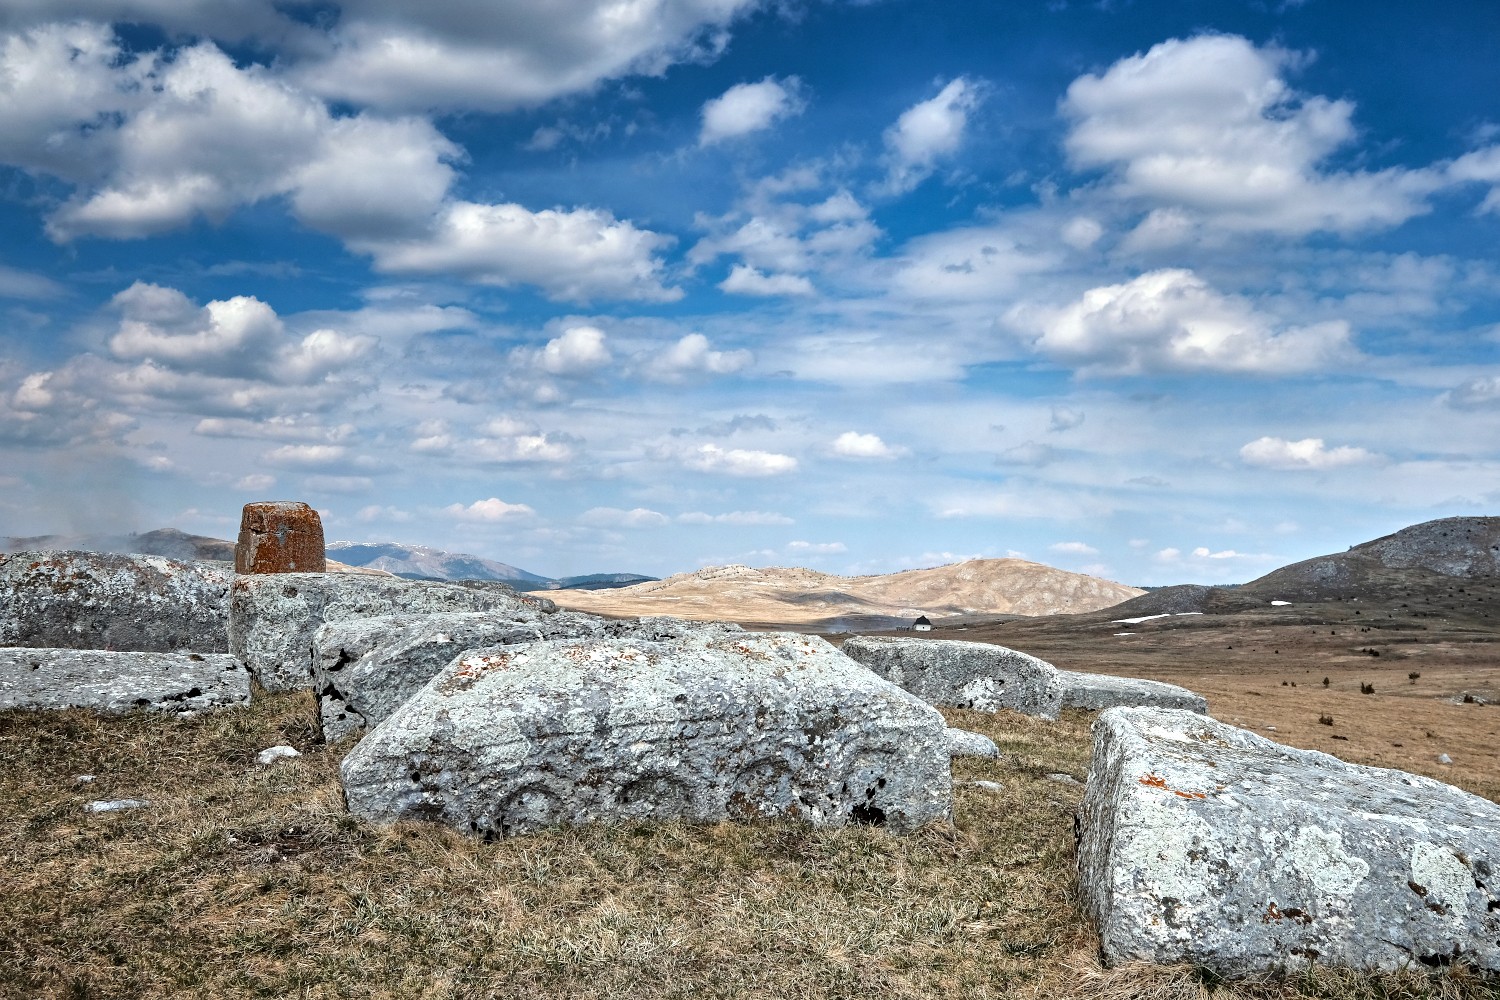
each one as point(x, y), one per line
point(976, 675)
point(363, 669)
point(280, 536)
point(514, 739)
point(1206, 844)
point(63, 599)
point(273, 617)
point(177, 683)
point(1100, 691)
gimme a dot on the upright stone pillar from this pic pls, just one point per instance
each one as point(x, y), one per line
point(280, 536)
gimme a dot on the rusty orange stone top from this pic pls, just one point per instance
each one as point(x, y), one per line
point(280, 536)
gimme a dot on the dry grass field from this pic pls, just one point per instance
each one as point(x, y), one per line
point(1420, 652)
point(247, 881)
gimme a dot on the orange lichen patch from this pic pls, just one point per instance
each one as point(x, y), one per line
point(1154, 780)
point(472, 668)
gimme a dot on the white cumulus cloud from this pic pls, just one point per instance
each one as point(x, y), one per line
point(1308, 453)
point(491, 511)
point(750, 107)
point(1074, 548)
point(1209, 124)
point(852, 444)
point(457, 54)
point(816, 548)
point(928, 133)
point(576, 255)
point(740, 461)
point(580, 350)
point(693, 355)
point(746, 280)
point(1172, 320)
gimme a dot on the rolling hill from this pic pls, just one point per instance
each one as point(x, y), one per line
point(803, 596)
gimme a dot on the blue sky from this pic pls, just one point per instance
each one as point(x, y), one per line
point(1161, 291)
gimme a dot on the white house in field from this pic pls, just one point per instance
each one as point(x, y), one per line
point(921, 625)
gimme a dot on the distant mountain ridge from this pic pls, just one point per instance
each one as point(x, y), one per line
point(426, 562)
point(168, 542)
point(414, 562)
point(423, 562)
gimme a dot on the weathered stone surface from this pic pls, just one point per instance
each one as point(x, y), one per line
point(1207, 844)
point(66, 599)
point(1099, 691)
point(272, 617)
point(366, 668)
point(280, 536)
point(963, 743)
point(974, 675)
point(735, 725)
point(120, 682)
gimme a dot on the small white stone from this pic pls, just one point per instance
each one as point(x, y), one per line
point(962, 743)
point(82, 779)
point(993, 787)
point(115, 805)
point(1444, 759)
point(271, 754)
point(1063, 779)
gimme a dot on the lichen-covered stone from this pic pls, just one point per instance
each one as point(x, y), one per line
point(272, 618)
point(106, 681)
point(366, 668)
point(1100, 691)
point(68, 599)
point(974, 675)
point(280, 536)
point(724, 726)
point(1207, 844)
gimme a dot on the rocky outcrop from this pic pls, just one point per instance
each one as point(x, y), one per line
point(1100, 691)
point(731, 726)
point(366, 668)
point(280, 536)
point(272, 617)
point(179, 683)
point(1426, 554)
point(93, 600)
point(1205, 844)
point(973, 675)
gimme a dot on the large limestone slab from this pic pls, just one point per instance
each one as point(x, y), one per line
point(1100, 691)
point(69, 599)
point(178, 683)
point(1207, 844)
point(974, 675)
point(272, 617)
point(514, 739)
point(366, 668)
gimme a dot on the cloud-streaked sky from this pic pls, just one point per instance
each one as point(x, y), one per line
point(1162, 291)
